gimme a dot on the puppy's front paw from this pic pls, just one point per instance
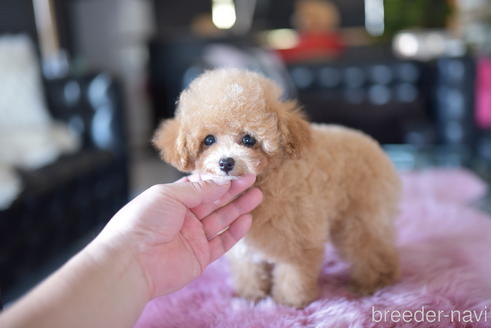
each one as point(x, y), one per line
point(373, 281)
point(361, 290)
point(252, 294)
point(294, 297)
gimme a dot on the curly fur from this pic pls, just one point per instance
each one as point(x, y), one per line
point(320, 183)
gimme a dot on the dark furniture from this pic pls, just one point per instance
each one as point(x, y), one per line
point(71, 197)
point(76, 194)
point(383, 97)
point(366, 88)
point(396, 101)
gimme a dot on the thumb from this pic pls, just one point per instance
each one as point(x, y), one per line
point(192, 194)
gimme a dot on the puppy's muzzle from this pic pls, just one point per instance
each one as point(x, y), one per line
point(226, 164)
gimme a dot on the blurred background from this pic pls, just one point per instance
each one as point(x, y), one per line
point(84, 83)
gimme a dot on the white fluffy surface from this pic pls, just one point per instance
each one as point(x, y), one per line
point(10, 186)
point(21, 98)
point(29, 138)
point(34, 146)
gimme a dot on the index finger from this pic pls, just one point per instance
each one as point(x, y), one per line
point(237, 186)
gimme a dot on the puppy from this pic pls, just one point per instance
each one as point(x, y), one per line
point(321, 183)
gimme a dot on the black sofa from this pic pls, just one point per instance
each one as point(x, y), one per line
point(396, 101)
point(78, 193)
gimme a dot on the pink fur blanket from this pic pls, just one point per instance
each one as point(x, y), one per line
point(444, 246)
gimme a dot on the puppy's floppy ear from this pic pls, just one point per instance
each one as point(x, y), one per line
point(294, 130)
point(172, 144)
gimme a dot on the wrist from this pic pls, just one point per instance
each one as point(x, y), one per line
point(121, 256)
point(102, 280)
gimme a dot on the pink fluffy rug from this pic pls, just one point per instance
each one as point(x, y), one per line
point(445, 260)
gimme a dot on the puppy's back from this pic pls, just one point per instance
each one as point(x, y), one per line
point(356, 162)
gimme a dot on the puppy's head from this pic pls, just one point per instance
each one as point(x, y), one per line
point(232, 122)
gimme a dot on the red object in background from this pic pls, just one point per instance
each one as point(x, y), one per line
point(482, 93)
point(313, 46)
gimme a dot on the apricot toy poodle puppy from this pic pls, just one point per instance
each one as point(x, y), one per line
point(321, 183)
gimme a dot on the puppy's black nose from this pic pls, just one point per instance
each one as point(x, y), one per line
point(226, 164)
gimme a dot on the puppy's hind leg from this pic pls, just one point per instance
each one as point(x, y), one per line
point(251, 280)
point(366, 241)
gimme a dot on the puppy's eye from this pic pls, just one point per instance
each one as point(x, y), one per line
point(210, 139)
point(248, 141)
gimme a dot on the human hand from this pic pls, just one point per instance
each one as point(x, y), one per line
point(173, 231)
